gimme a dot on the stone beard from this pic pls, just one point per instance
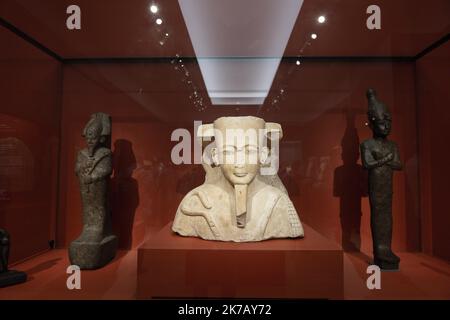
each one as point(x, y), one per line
point(236, 203)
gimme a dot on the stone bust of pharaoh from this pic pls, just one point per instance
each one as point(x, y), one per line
point(238, 204)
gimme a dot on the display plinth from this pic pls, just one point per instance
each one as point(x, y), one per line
point(12, 277)
point(171, 266)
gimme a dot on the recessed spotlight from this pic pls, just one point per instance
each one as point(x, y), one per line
point(321, 19)
point(167, 34)
point(159, 21)
point(313, 36)
point(153, 8)
point(297, 62)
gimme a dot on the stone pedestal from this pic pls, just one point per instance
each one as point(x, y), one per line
point(171, 266)
point(385, 265)
point(12, 277)
point(93, 255)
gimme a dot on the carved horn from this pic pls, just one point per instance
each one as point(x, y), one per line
point(273, 127)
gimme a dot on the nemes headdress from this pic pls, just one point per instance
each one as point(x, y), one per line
point(207, 131)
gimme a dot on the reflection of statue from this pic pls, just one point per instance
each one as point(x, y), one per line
point(125, 192)
point(96, 245)
point(235, 203)
point(8, 277)
point(350, 185)
point(380, 156)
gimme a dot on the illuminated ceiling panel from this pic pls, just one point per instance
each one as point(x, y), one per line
point(239, 45)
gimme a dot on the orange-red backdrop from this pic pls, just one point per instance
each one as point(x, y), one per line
point(323, 115)
point(30, 98)
point(434, 118)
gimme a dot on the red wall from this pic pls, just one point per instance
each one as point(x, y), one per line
point(323, 113)
point(432, 74)
point(29, 137)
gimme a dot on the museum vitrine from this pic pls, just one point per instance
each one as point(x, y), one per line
point(128, 131)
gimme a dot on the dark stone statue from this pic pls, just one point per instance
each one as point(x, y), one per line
point(96, 245)
point(4, 250)
point(380, 156)
point(8, 277)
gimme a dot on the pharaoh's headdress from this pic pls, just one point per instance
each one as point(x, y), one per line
point(100, 122)
point(376, 108)
point(208, 131)
point(273, 130)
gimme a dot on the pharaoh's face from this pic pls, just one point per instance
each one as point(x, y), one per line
point(93, 137)
point(381, 124)
point(240, 164)
point(239, 149)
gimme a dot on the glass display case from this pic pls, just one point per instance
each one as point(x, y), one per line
point(163, 69)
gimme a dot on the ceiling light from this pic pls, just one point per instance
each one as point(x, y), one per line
point(239, 68)
point(314, 36)
point(158, 21)
point(321, 19)
point(154, 9)
point(297, 62)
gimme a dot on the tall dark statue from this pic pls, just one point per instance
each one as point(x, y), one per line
point(96, 245)
point(381, 157)
point(4, 250)
point(8, 277)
